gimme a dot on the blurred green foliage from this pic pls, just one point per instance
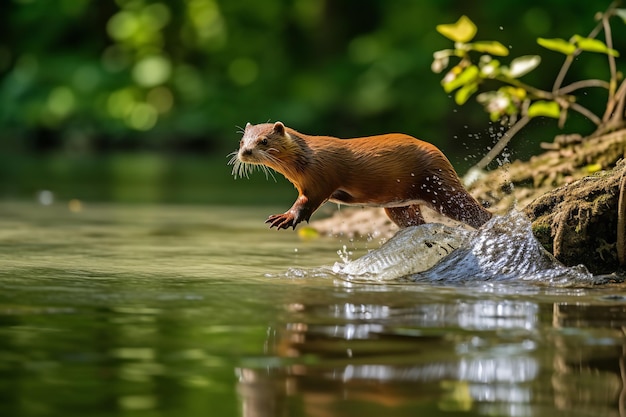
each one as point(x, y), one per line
point(87, 76)
point(515, 104)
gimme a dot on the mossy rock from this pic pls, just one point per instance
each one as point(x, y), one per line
point(578, 221)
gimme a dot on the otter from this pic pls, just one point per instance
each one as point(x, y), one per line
point(394, 171)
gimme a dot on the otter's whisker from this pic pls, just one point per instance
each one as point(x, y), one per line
point(267, 170)
point(244, 170)
point(234, 161)
point(268, 173)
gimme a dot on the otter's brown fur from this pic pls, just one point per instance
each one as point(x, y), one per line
point(394, 171)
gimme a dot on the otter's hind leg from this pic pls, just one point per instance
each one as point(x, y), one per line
point(447, 196)
point(460, 205)
point(405, 216)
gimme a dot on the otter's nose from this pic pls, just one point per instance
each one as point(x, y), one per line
point(246, 152)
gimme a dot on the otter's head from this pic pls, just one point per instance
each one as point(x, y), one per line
point(265, 145)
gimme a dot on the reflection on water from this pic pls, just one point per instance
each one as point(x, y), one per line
point(188, 311)
point(488, 357)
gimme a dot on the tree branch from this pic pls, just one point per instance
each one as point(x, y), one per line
point(586, 112)
point(609, 43)
point(582, 84)
point(616, 106)
point(621, 223)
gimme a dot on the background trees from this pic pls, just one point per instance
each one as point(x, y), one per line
point(85, 77)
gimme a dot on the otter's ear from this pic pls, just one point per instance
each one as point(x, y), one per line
point(279, 128)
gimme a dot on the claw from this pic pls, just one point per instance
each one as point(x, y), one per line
point(281, 221)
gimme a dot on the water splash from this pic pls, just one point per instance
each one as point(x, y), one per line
point(504, 249)
point(412, 250)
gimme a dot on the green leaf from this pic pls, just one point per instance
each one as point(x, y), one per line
point(494, 116)
point(465, 92)
point(544, 108)
point(621, 13)
point(516, 92)
point(591, 168)
point(463, 30)
point(593, 45)
point(558, 45)
point(522, 65)
point(468, 75)
point(490, 47)
point(490, 68)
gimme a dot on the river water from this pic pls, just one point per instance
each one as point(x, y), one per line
point(136, 310)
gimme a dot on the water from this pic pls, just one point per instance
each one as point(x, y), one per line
point(504, 249)
point(122, 310)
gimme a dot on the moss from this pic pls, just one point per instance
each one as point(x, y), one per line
point(543, 232)
point(602, 203)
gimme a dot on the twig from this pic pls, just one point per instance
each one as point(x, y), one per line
point(577, 85)
point(564, 68)
point(615, 107)
point(621, 222)
point(586, 112)
point(609, 43)
point(621, 100)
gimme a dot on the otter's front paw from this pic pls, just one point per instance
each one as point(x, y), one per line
point(282, 221)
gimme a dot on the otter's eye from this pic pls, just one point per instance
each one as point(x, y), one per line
point(264, 141)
